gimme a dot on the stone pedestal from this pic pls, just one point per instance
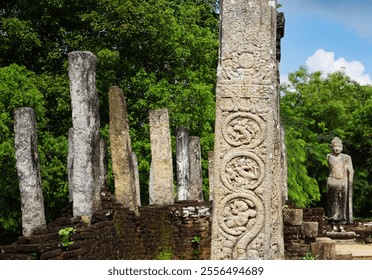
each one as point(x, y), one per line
point(341, 235)
point(26, 152)
point(247, 204)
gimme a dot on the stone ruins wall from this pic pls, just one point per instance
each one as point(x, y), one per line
point(117, 233)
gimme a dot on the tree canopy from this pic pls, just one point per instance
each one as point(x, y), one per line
point(162, 53)
point(314, 109)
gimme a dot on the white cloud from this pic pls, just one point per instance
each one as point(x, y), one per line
point(325, 62)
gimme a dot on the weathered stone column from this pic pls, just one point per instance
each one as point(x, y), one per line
point(26, 152)
point(121, 150)
point(136, 179)
point(161, 178)
point(211, 174)
point(246, 210)
point(103, 166)
point(86, 123)
point(70, 163)
point(196, 180)
point(182, 164)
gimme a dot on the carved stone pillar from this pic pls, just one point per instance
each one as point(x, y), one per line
point(247, 201)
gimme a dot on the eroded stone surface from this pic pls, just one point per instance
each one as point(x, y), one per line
point(26, 152)
point(247, 220)
point(210, 173)
point(161, 174)
point(121, 150)
point(339, 186)
point(196, 179)
point(86, 124)
point(183, 164)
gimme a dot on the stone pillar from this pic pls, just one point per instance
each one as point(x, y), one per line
point(246, 221)
point(136, 179)
point(284, 177)
point(182, 164)
point(121, 150)
point(161, 187)
point(86, 124)
point(70, 163)
point(210, 173)
point(26, 152)
point(103, 166)
point(196, 179)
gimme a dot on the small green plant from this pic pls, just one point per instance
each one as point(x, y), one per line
point(309, 256)
point(65, 235)
point(34, 256)
point(196, 240)
point(165, 254)
point(196, 247)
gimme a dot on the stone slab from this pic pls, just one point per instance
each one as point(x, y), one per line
point(161, 190)
point(86, 125)
point(28, 170)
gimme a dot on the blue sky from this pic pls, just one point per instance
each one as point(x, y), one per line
point(328, 36)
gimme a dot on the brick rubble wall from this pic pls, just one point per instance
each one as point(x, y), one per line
point(116, 233)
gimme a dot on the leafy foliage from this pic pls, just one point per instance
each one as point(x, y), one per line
point(65, 235)
point(16, 90)
point(162, 53)
point(314, 110)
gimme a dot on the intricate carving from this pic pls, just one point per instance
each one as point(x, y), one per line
point(242, 216)
point(244, 129)
point(237, 214)
point(241, 169)
point(246, 123)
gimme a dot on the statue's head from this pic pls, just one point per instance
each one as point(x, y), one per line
point(336, 145)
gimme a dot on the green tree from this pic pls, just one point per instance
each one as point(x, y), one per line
point(315, 109)
point(17, 89)
point(162, 53)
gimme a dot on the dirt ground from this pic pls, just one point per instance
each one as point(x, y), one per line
point(358, 250)
point(359, 247)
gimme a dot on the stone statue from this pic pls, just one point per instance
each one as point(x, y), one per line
point(339, 187)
